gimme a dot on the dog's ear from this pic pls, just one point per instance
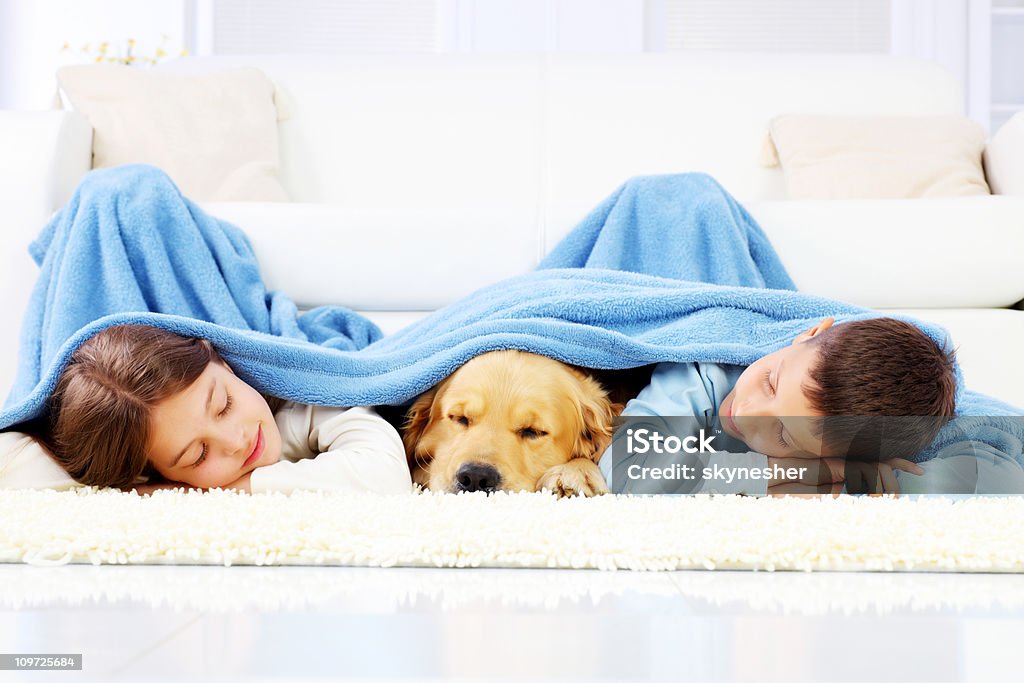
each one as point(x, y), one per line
point(598, 413)
point(417, 418)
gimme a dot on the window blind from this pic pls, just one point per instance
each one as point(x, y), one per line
point(778, 25)
point(324, 26)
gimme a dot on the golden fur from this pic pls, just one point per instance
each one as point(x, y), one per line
point(511, 421)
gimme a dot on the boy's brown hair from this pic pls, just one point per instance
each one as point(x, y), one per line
point(98, 418)
point(879, 368)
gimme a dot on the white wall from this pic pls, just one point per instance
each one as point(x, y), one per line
point(14, 44)
point(33, 32)
point(936, 30)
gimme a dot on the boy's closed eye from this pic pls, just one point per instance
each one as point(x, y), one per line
point(780, 436)
point(769, 387)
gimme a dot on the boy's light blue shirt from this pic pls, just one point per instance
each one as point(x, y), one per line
point(967, 468)
point(698, 389)
point(685, 389)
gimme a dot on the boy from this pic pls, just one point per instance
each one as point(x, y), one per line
point(875, 367)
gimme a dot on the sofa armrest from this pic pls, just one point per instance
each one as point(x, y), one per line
point(47, 152)
point(1004, 158)
point(45, 155)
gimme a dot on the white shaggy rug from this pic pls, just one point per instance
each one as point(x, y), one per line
point(513, 530)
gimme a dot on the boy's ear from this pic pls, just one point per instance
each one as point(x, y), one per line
point(815, 331)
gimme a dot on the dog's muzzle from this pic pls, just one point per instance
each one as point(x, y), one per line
point(474, 476)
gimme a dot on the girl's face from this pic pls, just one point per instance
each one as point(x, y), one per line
point(214, 432)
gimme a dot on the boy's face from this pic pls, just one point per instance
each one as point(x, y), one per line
point(217, 443)
point(767, 407)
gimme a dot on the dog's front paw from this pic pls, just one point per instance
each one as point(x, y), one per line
point(578, 477)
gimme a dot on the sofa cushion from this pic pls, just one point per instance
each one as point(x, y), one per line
point(609, 117)
point(482, 130)
point(934, 253)
point(406, 131)
point(901, 253)
point(215, 134)
point(387, 259)
point(850, 157)
point(925, 253)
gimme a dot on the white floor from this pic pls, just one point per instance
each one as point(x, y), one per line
point(304, 623)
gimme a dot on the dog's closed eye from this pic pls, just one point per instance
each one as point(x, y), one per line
point(459, 419)
point(531, 433)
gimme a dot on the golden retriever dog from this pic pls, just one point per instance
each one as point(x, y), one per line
point(511, 421)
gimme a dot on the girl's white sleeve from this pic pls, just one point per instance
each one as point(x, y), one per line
point(335, 449)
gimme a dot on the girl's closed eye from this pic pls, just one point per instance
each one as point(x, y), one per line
point(202, 454)
point(768, 383)
point(201, 458)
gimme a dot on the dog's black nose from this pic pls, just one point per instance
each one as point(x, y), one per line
point(474, 476)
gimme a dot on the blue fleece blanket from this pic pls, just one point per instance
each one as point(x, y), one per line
point(128, 248)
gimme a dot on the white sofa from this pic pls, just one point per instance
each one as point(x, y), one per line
point(416, 179)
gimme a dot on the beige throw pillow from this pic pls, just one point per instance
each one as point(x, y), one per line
point(215, 134)
point(842, 157)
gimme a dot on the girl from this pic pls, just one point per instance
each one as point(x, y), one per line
point(136, 402)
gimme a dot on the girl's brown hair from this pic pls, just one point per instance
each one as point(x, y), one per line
point(98, 423)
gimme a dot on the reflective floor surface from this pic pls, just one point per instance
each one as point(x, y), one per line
point(308, 623)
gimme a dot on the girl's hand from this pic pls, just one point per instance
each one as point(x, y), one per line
point(240, 484)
